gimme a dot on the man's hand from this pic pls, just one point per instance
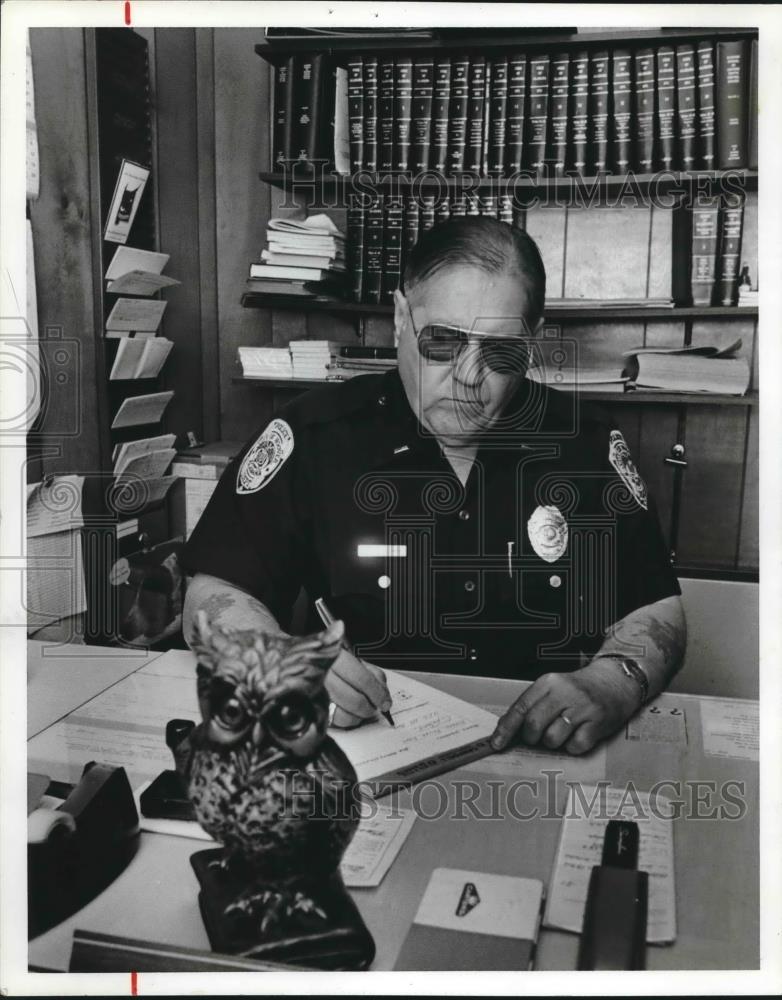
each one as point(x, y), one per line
point(358, 689)
point(575, 711)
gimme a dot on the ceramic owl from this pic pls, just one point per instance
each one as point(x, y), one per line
point(268, 783)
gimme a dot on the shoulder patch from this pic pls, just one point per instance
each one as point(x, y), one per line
point(264, 460)
point(619, 457)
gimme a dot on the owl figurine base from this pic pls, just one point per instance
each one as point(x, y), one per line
point(314, 924)
point(269, 784)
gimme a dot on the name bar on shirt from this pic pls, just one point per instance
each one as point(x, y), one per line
point(382, 551)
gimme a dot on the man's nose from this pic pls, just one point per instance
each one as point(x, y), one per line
point(470, 368)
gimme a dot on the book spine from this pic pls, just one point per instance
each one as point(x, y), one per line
point(505, 209)
point(373, 250)
point(440, 104)
point(410, 227)
point(752, 111)
point(560, 88)
point(442, 211)
point(403, 106)
point(706, 118)
point(458, 205)
point(422, 114)
point(685, 110)
point(514, 122)
point(282, 139)
point(474, 144)
point(356, 112)
point(356, 222)
point(486, 117)
point(731, 223)
point(392, 248)
point(370, 113)
point(537, 142)
point(621, 99)
point(314, 127)
point(457, 113)
point(644, 110)
point(427, 212)
point(498, 109)
point(731, 105)
point(487, 206)
point(385, 115)
point(579, 104)
point(666, 100)
point(703, 269)
point(598, 111)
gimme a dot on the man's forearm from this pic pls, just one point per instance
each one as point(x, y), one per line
point(225, 604)
point(655, 636)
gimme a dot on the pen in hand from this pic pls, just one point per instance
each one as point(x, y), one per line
point(327, 618)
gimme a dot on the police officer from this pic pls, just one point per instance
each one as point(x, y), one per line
point(456, 515)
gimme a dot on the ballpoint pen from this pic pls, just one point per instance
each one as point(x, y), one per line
point(327, 618)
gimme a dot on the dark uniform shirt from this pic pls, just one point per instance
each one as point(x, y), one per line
point(515, 574)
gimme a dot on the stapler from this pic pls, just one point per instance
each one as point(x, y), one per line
point(74, 851)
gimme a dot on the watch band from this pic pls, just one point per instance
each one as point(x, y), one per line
point(631, 668)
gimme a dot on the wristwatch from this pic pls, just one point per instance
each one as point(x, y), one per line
point(631, 668)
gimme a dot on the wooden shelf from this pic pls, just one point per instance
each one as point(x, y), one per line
point(521, 186)
point(262, 300)
point(623, 398)
point(491, 38)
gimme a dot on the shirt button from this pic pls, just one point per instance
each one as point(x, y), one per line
point(555, 581)
point(469, 586)
point(464, 515)
point(473, 654)
point(381, 401)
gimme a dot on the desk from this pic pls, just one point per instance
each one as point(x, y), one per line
point(717, 870)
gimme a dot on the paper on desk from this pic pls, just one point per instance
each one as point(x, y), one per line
point(370, 854)
point(54, 506)
point(428, 723)
point(580, 849)
point(136, 315)
point(146, 409)
point(55, 578)
point(127, 259)
point(665, 722)
point(730, 728)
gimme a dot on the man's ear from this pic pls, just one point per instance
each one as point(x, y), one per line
point(401, 315)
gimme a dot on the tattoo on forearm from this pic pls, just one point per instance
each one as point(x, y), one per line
point(217, 603)
point(667, 639)
point(631, 638)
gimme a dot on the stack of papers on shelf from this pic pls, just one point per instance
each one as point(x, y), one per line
point(690, 369)
point(352, 360)
point(301, 257)
point(582, 380)
point(266, 362)
point(585, 303)
point(140, 358)
point(311, 358)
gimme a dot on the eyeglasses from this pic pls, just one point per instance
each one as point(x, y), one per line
point(441, 345)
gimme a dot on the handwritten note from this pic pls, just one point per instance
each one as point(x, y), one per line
point(136, 314)
point(151, 465)
point(124, 452)
point(580, 849)
point(54, 506)
point(146, 409)
point(730, 728)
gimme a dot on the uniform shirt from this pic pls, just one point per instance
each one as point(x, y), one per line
point(518, 573)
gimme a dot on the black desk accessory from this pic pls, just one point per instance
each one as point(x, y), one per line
point(614, 931)
point(90, 840)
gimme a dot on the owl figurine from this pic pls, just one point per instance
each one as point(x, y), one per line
point(271, 786)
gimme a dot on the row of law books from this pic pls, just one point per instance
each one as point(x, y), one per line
point(707, 243)
point(325, 360)
point(701, 369)
point(642, 109)
point(380, 234)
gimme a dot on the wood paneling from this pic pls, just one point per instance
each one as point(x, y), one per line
point(547, 227)
point(748, 556)
point(61, 220)
point(589, 272)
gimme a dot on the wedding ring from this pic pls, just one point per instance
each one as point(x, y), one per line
point(565, 719)
point(332, 710)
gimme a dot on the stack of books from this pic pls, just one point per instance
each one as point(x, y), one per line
point(706, 252)
point(265, 362)
point(597, 379)
point(311, 358)
point(302, 257)
point(349, 361)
